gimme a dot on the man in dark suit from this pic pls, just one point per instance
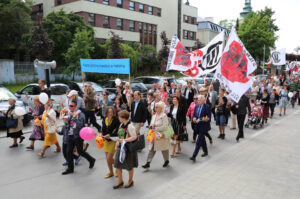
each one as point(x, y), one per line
point(202, 110)
point(242, 107)
point(172, 90)
point(138, 112)
point(189, 93)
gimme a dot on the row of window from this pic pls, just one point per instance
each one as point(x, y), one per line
point(147, 28)
point(132, 4)
point(186, 19)
point(189, 35)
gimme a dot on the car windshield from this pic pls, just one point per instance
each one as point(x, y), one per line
point(200, 81)
point(58, 89)
point(6, 94)
point(138, 86)
point(96, 87)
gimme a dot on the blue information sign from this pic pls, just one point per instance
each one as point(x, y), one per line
point(116, 66)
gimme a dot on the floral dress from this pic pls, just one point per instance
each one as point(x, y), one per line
point(37, 131)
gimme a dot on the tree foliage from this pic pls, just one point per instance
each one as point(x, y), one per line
point(164, 51)
point(61, 28)
point(15, 26)
point(80, 48)
point(227, 23)
point(255, 32)
point(114, 48)
point(42, 46)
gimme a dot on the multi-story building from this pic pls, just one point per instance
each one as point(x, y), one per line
point(138, 20)
point(207, 30)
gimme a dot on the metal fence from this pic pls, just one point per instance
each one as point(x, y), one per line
point(24, 68)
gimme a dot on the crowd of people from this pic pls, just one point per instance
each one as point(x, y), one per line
point(167, 106)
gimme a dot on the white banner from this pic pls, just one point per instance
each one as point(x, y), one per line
point(235, 67)
point(199, 62)
point(277, 57)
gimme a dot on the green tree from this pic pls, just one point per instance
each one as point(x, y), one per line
point(42, 46)
point(163, 53)
point(269, 13)
point(129, 52)
point(80, 48)
point(114, 49)
point(255, 33)
point(227, 23)
point(237, 24)
point(15, 26)
point(61, 28)
point(149, 61)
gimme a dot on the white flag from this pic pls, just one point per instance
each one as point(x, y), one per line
point(210, 57)
point(199, 62)
point(277, 57)
point(235, 67)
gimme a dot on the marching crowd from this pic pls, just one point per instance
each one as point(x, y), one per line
point(165, 111)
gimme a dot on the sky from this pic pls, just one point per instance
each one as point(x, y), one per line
point(286, 14)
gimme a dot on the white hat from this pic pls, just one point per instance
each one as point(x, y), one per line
point(72, 92)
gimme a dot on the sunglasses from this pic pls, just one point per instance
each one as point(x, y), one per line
point(71, 106)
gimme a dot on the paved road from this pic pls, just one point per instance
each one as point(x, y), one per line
point(264, 165)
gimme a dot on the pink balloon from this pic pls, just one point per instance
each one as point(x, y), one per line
point(87, 133)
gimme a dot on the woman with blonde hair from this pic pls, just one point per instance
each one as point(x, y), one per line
point(37, 131)
point(159, 124)
point(48, 121)
point(110, 127)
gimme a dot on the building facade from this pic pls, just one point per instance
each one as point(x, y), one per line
point(139, 20)
point(207, 30)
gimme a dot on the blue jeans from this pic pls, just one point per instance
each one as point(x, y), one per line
point(220, 120)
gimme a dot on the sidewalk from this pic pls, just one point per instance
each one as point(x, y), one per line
point(267, 166)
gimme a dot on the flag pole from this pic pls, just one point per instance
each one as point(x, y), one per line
point(82, 77)
point(264, 59)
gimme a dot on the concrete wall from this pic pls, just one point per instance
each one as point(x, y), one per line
point(7, 71)
point(7, 74)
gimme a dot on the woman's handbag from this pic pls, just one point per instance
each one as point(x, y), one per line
point(151, 136)
point(136, 145)
point(11, 123)
point(184, 136)
point(169, 132)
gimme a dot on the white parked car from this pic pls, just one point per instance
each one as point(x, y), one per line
point(58, 94)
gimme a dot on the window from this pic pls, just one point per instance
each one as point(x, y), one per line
point(150, 29)
point(141, 8)
point(58, 2)
point(106, 2)
point(158, 12)
point(119, 24)
point(131, 26)
point(150, 10)
point(191, 35)
point(193, 20)
point(131, 5)
point(140, 27)
point(106, 21)
point(186, 19)
point(145, 28)
point(91, 19)
point(31, 90)
point(154, 29)
point(120, 3)
point(185, 34)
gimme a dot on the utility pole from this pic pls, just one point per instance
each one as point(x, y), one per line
point(264, 59)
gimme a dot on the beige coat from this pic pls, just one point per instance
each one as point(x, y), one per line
point(161, 124)
point(20, 122)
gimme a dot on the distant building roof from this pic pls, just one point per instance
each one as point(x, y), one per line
point(207, 25)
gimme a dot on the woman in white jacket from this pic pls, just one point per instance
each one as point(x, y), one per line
point(159, 124)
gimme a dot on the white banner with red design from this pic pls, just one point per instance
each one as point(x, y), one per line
point(293, 67)
point(199, 62)
point(235, 68)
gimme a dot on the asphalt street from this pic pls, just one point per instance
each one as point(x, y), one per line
point(25, 175)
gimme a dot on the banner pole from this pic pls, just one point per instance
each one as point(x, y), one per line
point(129, 81)
point(82, 77)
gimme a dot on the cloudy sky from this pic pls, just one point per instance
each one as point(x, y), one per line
point(286, 14)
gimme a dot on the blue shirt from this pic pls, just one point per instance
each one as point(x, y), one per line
point(199, 110)
point(135, 106)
